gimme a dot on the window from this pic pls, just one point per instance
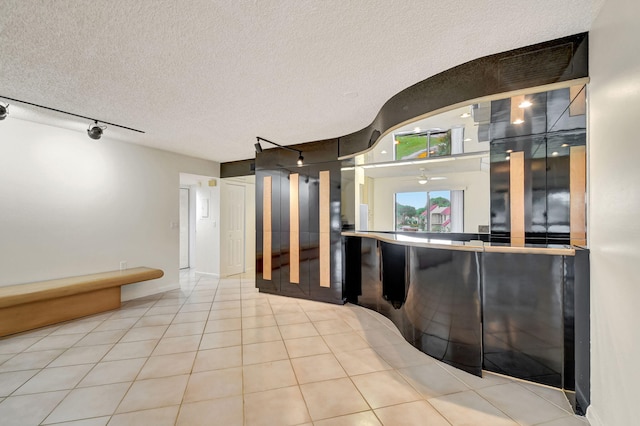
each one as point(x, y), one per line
point(422, 144)
point(433, 211)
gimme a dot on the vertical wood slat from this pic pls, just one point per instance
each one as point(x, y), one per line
point(325, 229)
point(579, 96)
point(577, 190)
point(294, 229)
point(516, 197)
point(517, 113)
point(266, 228)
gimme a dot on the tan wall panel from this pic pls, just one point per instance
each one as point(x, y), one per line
point(266, 228)
point(579, 96)
point(517, 113)
point(577, 189)
point(325, 229)
point(294, 229)
point(516, 196)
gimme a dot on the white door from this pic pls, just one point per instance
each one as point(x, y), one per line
point(184, 228)
point(234, 228)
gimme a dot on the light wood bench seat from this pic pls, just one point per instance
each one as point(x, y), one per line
point(32, 305)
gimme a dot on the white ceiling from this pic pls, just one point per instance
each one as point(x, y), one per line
point(205, 77)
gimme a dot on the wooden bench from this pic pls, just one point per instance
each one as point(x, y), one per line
point(32, 305)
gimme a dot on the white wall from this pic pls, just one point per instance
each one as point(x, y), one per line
point(614, 204)
point(207, 229)
point(476, 197)
point(70, 205)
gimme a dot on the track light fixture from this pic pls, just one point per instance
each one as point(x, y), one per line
point(4, 110)
point(300, 161)
point(94, 131)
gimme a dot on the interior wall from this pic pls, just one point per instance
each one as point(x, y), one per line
point(476, 198)
point(207, 229)
point(614, 203)
point(72, 206)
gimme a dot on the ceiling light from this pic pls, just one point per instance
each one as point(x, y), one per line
point(564, 145)
point(525, 104)
point(507, 157)
point(554, 153)
point(94, 131)
point(258, 148)
point(465, 115)
point(518, 121)
point(384, 151)
point(300, 160)
point(4, 110)
point(422, 181)
point(509, 151)
point(438, 178)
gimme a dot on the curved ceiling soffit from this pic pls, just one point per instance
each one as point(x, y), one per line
point(537, 65)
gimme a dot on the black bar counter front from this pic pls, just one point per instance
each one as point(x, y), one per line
point(477, 305)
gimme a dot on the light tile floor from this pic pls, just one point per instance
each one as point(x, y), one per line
point(217, 352)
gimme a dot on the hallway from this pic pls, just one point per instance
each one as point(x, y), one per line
point(217, 352)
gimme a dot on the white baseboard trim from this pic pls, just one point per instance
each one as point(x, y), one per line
point(592, 416)
point(207, 274)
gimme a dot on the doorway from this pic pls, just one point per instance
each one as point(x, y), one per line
point(233, 232)
point(185, 262)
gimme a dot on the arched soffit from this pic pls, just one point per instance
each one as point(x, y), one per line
point(540, 64)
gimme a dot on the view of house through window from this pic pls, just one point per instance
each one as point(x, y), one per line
point(428, 211)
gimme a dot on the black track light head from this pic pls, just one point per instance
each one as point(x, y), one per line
point(94, 131)
point(4, 111)
point(300, 160)
point(258, 148)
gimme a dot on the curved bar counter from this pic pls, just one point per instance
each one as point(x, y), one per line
point(471, 304)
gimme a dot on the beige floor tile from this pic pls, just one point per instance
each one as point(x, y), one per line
point(185, 329)
point(14, 345)
point(364, 418)
point(154, 393)
point(222, 339)
point(291, 318)
point(29, 409)
point(286, 308)
point(101, 338)
point(172, 345)
point(322, 315)
point(258, 353)
point(431, 380)
point(410, 414)
point(165, 416)
point(317, 367)
point(5, 357)
point(225, 313)
point(259, 335)
point(95, 421)
point(154, 320)
point(109, 372)
point(214, 384)
point(11, 381)
point(523, 406)
point(144, 333)
point(256, 322)
point(130, 312)
point(295, 331)
point(345, 342)
point(568, 421)
point(76, 327)
point(306, 346)
point(116, 324)
point(53, 379)
point(403, 355)
point(195, 307)
point(182, 317)
point(129, 350)
point(470, 409)
point(215, 359)
point(553, 395)
point(256, 311)
point(284, 406)
point(385, 388)
point(30, 360)
point(332, 326)
point(229, 304)
point(223, 411)
point(223, 325)
point(332, 398)
point(163, 310)
point(270, 375)
point(362, 361)
point(167, 365)
point(81, 355)
point(226, 297)
point(88, 402)
point(382, 337)
point(55, 342)
point(475, 382)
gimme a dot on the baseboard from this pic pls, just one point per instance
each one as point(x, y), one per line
point(207, 274)
point(592, 416)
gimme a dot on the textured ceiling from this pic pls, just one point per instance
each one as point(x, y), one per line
point(204, 77)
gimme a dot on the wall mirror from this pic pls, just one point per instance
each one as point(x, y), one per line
point(434, 174)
